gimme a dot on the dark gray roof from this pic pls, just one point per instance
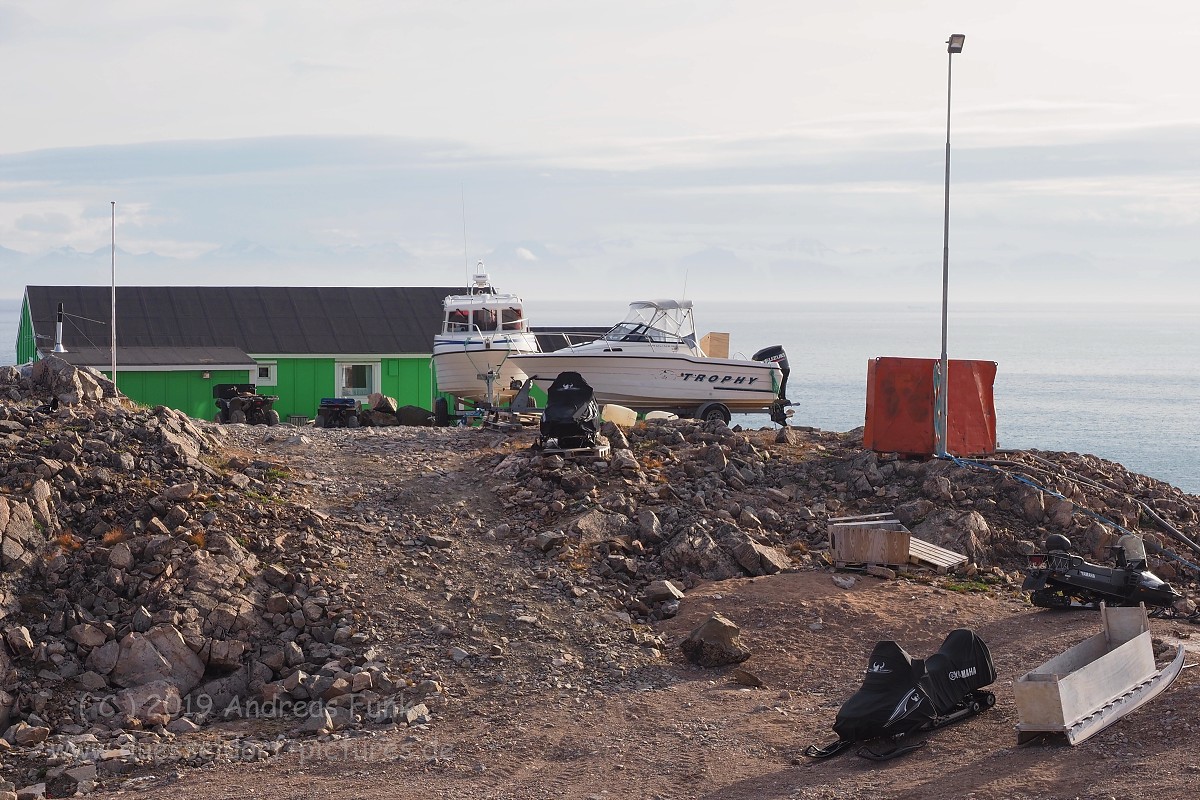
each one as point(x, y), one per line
point(129, 357)
point(253, 319)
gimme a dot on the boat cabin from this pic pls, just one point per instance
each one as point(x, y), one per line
point(483, 311)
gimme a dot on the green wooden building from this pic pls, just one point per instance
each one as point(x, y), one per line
point(175, 343)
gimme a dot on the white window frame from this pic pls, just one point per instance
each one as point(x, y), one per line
point(272, 378)
point(376, 376)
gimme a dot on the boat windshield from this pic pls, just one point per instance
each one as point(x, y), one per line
point(512, 319)
point(483, 320)
point(635, 332)
point(457, 321)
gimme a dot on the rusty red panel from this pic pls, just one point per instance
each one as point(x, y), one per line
point(900, 406)
point(971, 421)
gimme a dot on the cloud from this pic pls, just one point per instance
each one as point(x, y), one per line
point(53, 222)
point(866, 223)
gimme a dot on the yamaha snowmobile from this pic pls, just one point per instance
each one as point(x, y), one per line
point(571, 419)
point(1058, 579)
point(902, 696)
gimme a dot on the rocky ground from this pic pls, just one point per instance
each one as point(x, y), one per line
point(239, 611)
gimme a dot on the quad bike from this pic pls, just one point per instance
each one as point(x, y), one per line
point(901, 696)
point(239, 403)
point(571, 418)
point(1058, 579)
point(337, 412)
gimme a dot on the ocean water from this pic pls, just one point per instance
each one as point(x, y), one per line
point(1121, 382)
point(1118, 381)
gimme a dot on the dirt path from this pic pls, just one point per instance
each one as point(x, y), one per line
point(549, 693)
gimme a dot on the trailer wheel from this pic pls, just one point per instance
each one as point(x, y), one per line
point(352, 421)
point(713, 412)
point(320, 421)
point(441, 413)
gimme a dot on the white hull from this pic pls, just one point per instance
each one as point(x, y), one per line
point(460, 363)
point(669, 381)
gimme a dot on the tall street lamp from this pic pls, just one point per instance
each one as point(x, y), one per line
point(942, 383)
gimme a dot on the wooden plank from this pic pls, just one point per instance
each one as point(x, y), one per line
point(930, 555)
point(888, 514)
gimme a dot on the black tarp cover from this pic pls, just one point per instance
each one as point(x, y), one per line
point(960, 666)
point(571, 413)
point(889, 701)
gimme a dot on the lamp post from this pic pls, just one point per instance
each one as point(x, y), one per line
point(942, 380)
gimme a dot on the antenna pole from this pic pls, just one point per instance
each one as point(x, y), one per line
point(466, 261)
point(113, 325)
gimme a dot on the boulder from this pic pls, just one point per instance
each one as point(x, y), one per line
point(383, 403)
point(103, 658)
point(19, 640)
point(154, 703)
point(598, 526)
point(161, 654)
point(87, 635)
point(661, 591)
point(20, 539)
point(71, 781)
point(414, 416)
point(694, 550)
point(758, 559)
point(715, 643)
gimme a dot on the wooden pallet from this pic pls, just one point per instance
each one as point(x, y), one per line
point(926, 554)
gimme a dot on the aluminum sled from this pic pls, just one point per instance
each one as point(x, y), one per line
point(1089, 687)
point(902, 696)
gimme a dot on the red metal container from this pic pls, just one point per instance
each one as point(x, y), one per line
point(900, 407)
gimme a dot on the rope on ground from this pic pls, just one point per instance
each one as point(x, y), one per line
point(991, 467)
point(1170, 529)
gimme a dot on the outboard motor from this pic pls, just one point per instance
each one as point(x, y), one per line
point(775, 355)
point(571, 416)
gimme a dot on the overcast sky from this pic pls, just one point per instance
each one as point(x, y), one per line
point(613, 148)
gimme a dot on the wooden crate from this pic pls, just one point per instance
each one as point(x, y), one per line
point(874, 539)
point(715, 345)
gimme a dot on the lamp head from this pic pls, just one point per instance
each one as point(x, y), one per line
point(955, 42)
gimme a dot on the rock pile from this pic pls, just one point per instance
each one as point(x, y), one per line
point(150, 585)
point(696, 501)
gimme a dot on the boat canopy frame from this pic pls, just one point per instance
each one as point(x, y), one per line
point(658, 321)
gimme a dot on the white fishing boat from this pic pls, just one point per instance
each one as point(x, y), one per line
point(481, 330)
point(652, 360)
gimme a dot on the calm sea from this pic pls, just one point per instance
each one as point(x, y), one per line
point(1118, 381)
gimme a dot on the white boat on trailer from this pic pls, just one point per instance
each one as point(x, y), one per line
point(472, 356)
point(652, 360)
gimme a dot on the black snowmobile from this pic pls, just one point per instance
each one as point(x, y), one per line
point(571, 418)
point(901, 696)
point(1058, 579)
